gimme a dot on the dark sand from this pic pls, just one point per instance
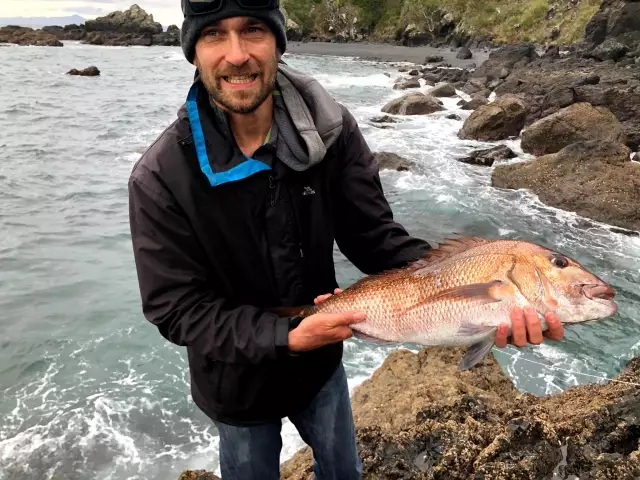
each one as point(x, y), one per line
point(384, 52)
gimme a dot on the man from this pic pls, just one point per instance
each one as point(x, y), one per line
point(235, 209)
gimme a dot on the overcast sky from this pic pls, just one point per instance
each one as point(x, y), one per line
point(163, 11)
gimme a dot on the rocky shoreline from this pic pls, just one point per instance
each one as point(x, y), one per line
point(132, 27)
point(418, 417)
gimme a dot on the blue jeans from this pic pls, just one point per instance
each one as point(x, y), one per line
point(248, 453)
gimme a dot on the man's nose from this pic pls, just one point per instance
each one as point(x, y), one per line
point(237, 54)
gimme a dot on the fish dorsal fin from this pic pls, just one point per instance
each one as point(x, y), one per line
point(450, 247)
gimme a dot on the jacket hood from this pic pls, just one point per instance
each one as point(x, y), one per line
point(308, 119)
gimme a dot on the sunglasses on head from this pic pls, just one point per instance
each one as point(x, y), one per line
point(202, 7)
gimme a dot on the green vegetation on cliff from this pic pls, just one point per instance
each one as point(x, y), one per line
point(561, 21)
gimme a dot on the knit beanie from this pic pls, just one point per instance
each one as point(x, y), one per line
point(193, 25)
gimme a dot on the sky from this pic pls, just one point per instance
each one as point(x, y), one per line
point(166, 12)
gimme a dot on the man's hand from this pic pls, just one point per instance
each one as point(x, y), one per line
point(322, 329)
point(525, 326)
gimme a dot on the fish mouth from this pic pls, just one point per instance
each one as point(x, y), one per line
point(599, 292)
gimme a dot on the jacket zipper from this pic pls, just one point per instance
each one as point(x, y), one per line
point(272, 190)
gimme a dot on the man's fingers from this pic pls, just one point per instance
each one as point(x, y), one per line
point(502, 335)
point(518, 329)
point(534, 330)
point(337, 291)
point(556, 329)
point(346, 318)
point(321, 298)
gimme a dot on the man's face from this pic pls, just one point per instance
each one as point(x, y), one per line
point(238, 61)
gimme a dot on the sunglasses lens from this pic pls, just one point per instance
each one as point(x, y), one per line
point(201, 6)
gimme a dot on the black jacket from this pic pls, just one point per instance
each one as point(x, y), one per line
point(211, 259)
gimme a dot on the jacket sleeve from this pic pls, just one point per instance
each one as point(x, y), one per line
point(365, 228)
point(176, 294)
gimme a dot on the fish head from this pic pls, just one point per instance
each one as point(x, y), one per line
point(570, 290)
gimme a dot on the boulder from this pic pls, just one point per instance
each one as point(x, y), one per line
point(433, 59)
point(87, 72)
point(453, 116)
point(443, 90)
point(419, 418)
point(593, 178)
point(384, 119)
point(498, 120)
point(413, 104)
point(610, 49)
point(489, 156)
point(392, 161)
point(474, 103)
point(580, 121)
point(464, 54)
point(504, 60)
point(404, 83)
point(133, 20)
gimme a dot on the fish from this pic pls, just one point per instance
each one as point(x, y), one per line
point(460, 292)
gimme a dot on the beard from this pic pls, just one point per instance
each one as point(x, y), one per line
point(246, 100)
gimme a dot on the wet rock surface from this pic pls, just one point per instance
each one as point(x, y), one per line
point(578, 122)
point(498, 120)
point(595, 179)
point(418, 417)
point(392, 161)
point(87, 72)
point(415, 103)
point(487, 157)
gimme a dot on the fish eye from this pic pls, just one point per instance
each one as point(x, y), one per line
point(560, 261)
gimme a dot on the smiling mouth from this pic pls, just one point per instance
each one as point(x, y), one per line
point(240, 79)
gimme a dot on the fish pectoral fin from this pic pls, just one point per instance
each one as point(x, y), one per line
point(476, 352)
point(369, 338)
point(486, 292)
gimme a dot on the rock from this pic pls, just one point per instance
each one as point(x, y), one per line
point(403, 69)
point(413, 104)
point(414, 72)
point(170, 38)
point(443, 90)
point(559, 97)
point(488, 156)
point(499, 120)
point(293, 31)
point(464, 54)
point(578, 122)
point(635, 157)
point(433, 59)
point(610, 49)
point(404, 83)
point(392, 161)
point(417, 417)
point(552, 52)
point(28, 36)
point(474, 103)
point(593, 178)
point(198, 475)
point(453, 116)
point(616, 19)
point(507, 58)
point(133, 20)
point(384, 119)
point(87, 72)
